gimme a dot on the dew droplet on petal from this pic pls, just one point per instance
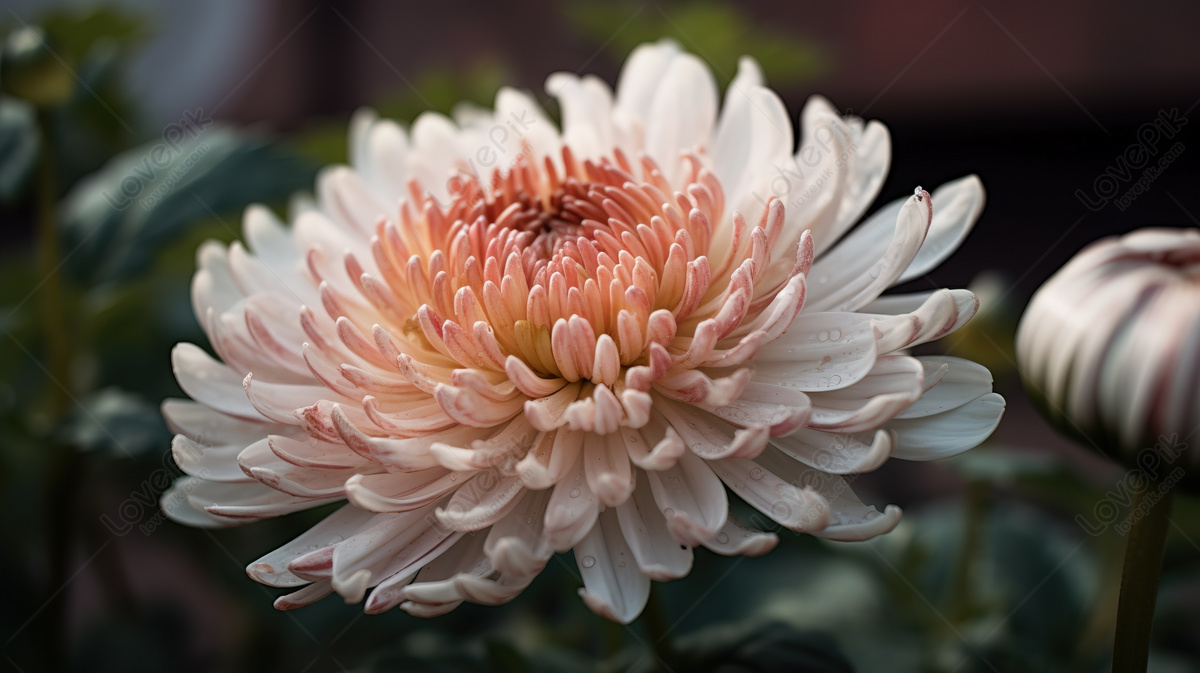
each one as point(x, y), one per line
point(722, 538)
point(756, 473)
point(588, 561)
point(668, 512)
point(574, 493)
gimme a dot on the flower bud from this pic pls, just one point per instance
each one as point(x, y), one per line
point(1110, 345)
point(31, 70)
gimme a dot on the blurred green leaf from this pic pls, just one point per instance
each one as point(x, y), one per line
point(19, 146)
point(718, 33)
point(1032, 474)
point(116, 421)
point(746, 648)
point(121, 216)
point(443, 89)
point(88, 48)
point(504, 658)
point(77, 32)
point(1031, 596)
point(33, 70)
point(323, 142)
point(100, 119)
point(1004, 465)
point(449, 650)
point(989, 338)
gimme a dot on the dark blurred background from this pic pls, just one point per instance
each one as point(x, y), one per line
point(1043, 101)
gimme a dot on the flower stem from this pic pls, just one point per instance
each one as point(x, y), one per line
point(63, 473)
point(655, 620)
point(1150, 516)
point(975, 520)
point(54, 330)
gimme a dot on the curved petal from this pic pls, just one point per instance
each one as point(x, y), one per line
point(691, 499)
point(895, 382)
point(868, 261)
point(956, 206)
point(612, 587)
point(644, 527)
point(948, 433)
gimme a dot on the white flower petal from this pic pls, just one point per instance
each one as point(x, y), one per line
point(614, 587)
point(271, 569)
point(572, 510)
point(956, 206)
point(211, 383)
point(963, 382)
point(645, 529)
point(867, 261)
point(948, 433)
point(895, 382)
point(820, 351)
point(691, 499)
point(737, 540)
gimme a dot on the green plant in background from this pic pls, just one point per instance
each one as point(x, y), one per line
point(721, 33)
point(73, 379)
point(438, 90)
point(1007, 582)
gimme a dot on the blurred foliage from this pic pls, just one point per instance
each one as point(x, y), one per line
point(117, 218)
point(89, 47)
point(752, 647)
point(32, 70)
point(443, 89)
point(121, 258)
point(990, 337)
point(720, 33)
point(79, 32)
point(440, 90)
point(116, 421)
point(19, 144)
point(1003, 578)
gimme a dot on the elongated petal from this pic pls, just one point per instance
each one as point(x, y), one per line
point(612, 586)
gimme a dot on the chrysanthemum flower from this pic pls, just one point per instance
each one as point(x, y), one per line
point(497, 340)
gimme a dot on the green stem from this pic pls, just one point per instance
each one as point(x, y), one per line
point(63, 473)
point(613, 642)
point(655, 620)
point(1150, 516)
point(978, 503)
point(54, 330)
point(62, 497)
